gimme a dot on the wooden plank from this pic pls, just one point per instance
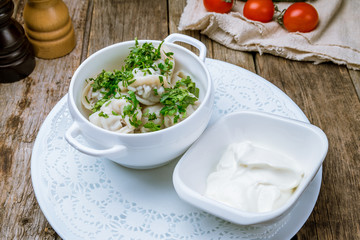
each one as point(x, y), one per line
point(327, 96)
point(24, 106)
point(215, 50)
point(129, 19)
point(175, 11)
point(355, 76)
point(16, 5)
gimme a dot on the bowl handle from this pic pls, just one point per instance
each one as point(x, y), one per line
point(74, 131)
point(189, 40)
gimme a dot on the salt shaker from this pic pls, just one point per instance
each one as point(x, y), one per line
point(49, 28)
point(17, 59)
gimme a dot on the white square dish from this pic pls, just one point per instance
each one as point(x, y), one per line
point(303, 142)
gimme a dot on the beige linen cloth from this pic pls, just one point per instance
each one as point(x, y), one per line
point(336, 38)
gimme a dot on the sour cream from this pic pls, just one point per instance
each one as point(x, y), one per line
point(253, 179)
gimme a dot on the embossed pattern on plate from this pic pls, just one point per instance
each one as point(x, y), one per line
point(90, 198)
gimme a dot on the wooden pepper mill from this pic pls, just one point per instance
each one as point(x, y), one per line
point(49, 28)
point(17, 59)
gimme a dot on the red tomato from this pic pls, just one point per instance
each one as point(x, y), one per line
point(300, 17)
point(219, 6)
point(259, 10)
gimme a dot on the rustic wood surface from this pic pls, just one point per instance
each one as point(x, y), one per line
point(328, 94)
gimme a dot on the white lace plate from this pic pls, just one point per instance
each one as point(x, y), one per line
point(91, 198)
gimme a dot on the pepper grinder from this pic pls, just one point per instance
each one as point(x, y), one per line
point(49, 28)
point(17, 59)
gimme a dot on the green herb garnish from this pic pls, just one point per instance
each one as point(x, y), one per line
point(161, 79)
point(165, 67)
point(102, 114)
point(131, 109)
point(177, 99)
point(189, 84)
point(152, 126)
point(152, 116)
point(98, 104)
point(87, 100)
point(142, 57)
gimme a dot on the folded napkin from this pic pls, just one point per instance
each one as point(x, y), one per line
point(335, 39)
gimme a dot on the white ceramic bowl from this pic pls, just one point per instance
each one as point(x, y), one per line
point(305, 143)
point(145, 150)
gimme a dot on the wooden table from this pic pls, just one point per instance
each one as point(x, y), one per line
point(328, 94)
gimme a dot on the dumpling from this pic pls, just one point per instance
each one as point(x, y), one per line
point(148, 86)
point(170, 120)
point(167, 58)
point(149, 83)
point(113, 116)
point(149, 77)
point(151, 114)
point(89, 97)
point(177, 77)
point(112, 123)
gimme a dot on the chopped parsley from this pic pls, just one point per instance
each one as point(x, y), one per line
point(102, 114)
point(161, 79)
point(98, 104)
point(152, 126)
point(165, 67)
point(109, 80)
point(144, 57)
point(175, 102)
point(152, 116)
point(177, 99)
point(131, 110)
point(189, 84)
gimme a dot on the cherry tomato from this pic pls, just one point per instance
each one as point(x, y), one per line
point(259, 10)
point(219, 6)
point(300, 17)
